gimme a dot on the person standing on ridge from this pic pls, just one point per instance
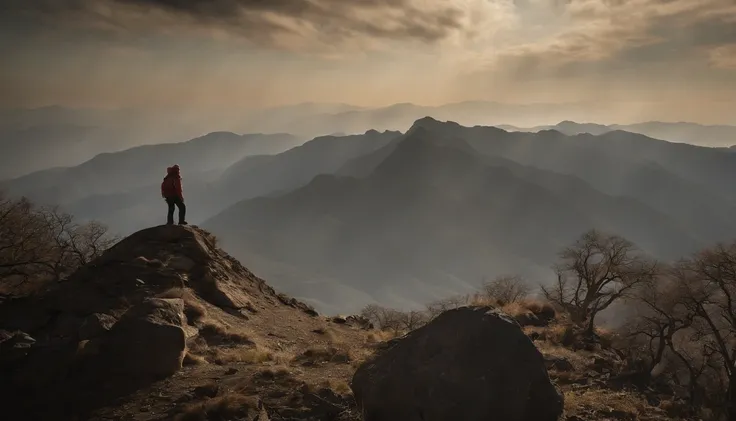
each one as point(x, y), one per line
point(171, 191)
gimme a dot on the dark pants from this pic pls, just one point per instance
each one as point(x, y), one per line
point(179, 203)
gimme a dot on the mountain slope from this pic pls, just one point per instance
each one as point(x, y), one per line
point(118, 172)
point(688, 182)
point(433, 218)
point(259, 175)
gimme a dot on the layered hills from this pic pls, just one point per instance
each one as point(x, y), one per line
point(342, 221)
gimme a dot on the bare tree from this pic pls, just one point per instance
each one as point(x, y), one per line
point(24, 244)
point(415, 319)
point(507, 289)
point(707, 282)
point(72, 244)
point(44, 244)
point(660, 314)
point(595, 272)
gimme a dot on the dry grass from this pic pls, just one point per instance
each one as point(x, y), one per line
point(222, 356)
point(328, 354)
point(217, 334)
point(579, 359)
point(329, 334)
point(530, 312)
point(604, 402)
point(561, 334)
point(227, 407)
point(378, 336)
point(340, 387)
point(193, 359)
point(279, 375)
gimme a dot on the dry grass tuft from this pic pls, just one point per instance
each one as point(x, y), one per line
point(217, 334)
point(603, 403)
point(222, 356)
point(227, 407)
point(330, 354)
point(530, 312)
point(340, 387)
point(278, 374)
point(193, 359)
point(561, 334)
point(377, 336)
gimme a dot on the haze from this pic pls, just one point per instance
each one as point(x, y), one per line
point(626, 61)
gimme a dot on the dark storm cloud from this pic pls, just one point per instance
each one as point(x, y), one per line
point(257, 20)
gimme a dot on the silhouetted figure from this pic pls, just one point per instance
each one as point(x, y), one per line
point(171, 191)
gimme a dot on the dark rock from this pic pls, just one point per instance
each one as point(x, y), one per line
point(471, 363)
point(14, 347)
point(95, 325)
point(557, 363)
point(149, 339)
point(208, 390)
point(529, 319)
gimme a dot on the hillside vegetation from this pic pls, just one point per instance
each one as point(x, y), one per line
point(249, 351)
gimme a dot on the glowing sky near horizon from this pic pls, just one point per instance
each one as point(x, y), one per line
point(675, 57)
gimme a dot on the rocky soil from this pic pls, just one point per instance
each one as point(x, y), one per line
point(165, 325)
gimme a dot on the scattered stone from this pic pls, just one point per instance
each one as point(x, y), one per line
point(557, 363)
point(209, 390)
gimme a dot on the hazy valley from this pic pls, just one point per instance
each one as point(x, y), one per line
point(406, 217)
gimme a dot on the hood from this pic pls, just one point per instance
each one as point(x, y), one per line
point(172, 170)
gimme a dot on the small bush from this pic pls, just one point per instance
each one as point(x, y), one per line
point(329, 354)
point(216, 334)
point(507, 289)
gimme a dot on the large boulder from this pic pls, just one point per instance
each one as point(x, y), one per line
point(149, 340)
point(470, 364)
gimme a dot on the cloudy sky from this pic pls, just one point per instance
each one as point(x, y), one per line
point(674, 56)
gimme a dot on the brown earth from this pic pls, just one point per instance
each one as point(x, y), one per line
point(250, 353)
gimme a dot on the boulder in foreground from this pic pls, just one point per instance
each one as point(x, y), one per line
point(149, 340)
point(471, 364)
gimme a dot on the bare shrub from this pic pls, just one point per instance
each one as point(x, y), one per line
point(507, 289)
point(384, 318)
point(41, 245)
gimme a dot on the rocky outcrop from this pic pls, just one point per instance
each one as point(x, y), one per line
point(471, 364)
point(149, 340)
point(117, 322)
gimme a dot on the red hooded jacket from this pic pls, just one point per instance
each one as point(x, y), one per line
point(171, 186)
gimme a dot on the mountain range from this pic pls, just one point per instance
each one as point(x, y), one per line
point(404, 218)
point(42, 138)
point(698, 134)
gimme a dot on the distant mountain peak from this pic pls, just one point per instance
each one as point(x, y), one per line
point(430, 123)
